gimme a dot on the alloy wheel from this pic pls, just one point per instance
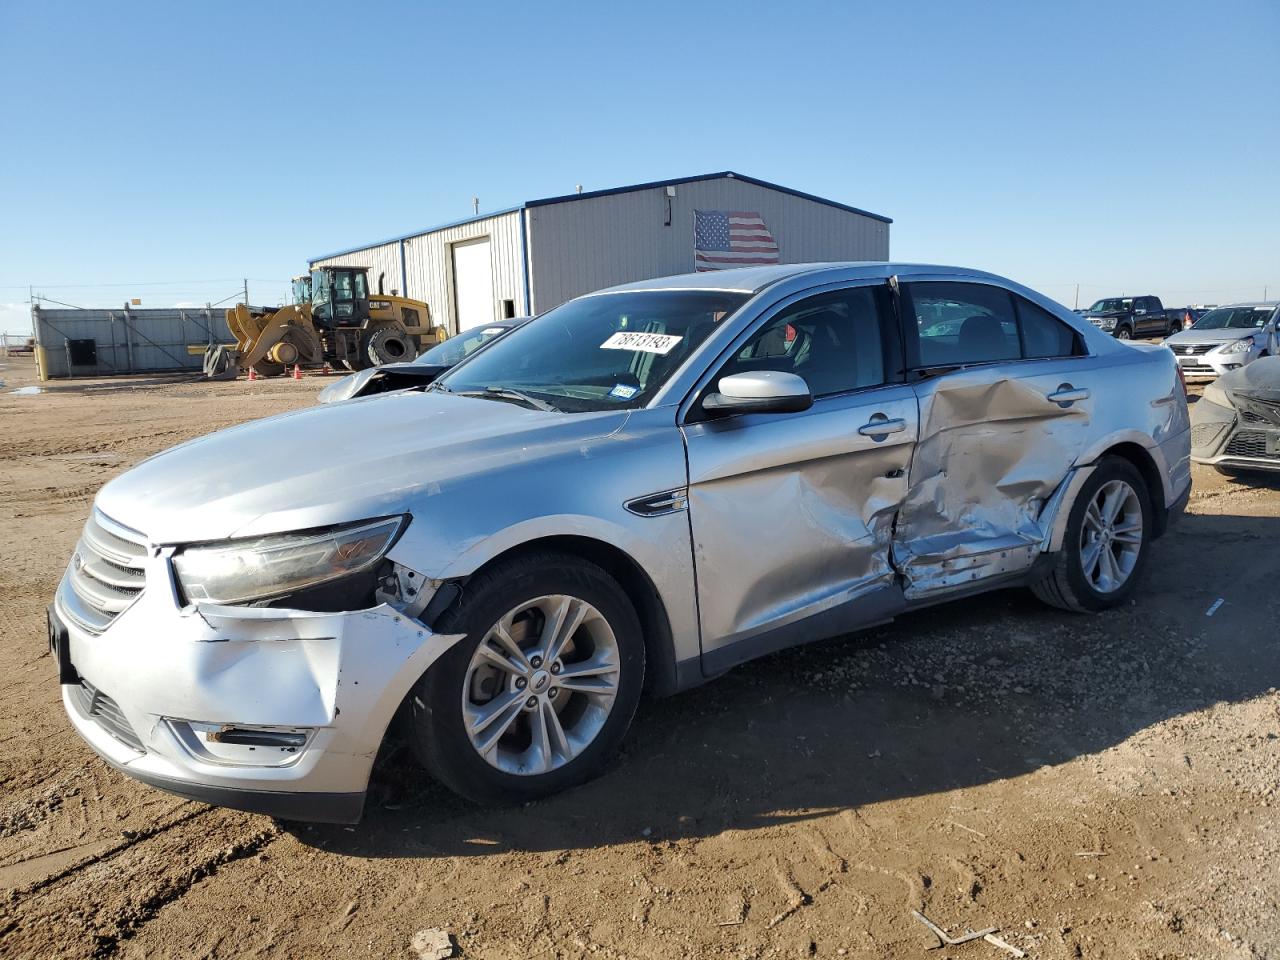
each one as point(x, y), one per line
point(541, 685)
point(1111, 536)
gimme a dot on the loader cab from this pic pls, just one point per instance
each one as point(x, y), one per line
point(340, 295)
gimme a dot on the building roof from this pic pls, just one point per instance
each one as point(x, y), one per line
point(571, 197)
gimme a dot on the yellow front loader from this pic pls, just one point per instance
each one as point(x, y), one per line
point(334, 319)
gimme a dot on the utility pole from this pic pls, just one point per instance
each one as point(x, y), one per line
point(1077, 305)
point(246, 291)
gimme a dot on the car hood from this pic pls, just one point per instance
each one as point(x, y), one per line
point(1108, 314)
point(335, 463)
point(1220, 335)
point(1259, 379)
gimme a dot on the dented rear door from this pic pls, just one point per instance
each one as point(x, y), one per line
point(1000, 430)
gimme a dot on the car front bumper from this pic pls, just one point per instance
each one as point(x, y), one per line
point(270, 710)
point(1222, 437)
point(1210, 366)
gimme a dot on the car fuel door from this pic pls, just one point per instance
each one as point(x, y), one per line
point(999, 434)
point(792, 513)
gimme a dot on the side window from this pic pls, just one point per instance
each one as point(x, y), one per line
point(833, 341)
point(1044, 335)
point(961, 323)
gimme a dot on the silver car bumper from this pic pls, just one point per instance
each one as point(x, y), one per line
point(1221, 437)
point(1210, 366)
point(271, 710)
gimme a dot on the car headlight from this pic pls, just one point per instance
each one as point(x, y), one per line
point(242, 570)
point(1106, 323)
point(1238, 346)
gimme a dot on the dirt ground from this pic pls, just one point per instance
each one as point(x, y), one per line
point(1093, 786)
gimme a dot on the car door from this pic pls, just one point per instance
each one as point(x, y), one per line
point(792, 514)
point(1006, 402)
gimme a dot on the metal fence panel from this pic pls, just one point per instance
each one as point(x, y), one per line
point(127, 340)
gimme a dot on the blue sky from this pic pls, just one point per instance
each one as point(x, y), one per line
point(165, 150)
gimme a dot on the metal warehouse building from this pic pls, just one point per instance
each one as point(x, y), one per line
point(530, 258)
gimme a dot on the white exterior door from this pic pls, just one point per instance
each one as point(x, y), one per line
point(472, 283)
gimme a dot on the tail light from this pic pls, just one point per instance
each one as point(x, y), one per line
point(1182, 379)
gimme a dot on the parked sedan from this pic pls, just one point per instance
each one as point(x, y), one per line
point(639, 489)
point(1236, 424)
point(419, 372)
point(1226, 339)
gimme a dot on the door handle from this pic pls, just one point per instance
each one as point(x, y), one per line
point(1066, 395)
point(882, 427)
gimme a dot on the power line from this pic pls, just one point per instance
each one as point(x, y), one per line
point(136, 283)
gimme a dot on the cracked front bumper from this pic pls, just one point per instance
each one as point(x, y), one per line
point(155, 691)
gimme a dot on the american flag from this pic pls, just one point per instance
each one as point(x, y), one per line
point(728, 238)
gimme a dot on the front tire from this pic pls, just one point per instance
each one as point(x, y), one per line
point(539, 694)
point(1106, 542)
point(1124, 333)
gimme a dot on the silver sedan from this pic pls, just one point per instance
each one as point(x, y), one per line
point(641, 488)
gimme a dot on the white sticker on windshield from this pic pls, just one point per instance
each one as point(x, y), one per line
point(662, 343)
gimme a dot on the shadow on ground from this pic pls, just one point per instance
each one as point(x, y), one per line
point(961, 694)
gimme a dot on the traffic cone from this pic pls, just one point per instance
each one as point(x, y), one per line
point(297, 372)
point(253, 374)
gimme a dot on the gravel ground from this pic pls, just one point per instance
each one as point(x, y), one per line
point(1093, 786)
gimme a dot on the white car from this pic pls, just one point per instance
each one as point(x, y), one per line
point(1226, 339)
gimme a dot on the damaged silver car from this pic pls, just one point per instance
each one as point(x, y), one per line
point(1235, 426)
point(639, 489)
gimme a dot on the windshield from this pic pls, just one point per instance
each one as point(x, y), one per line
point(1113, 305)
point(1234, 318)
point(454, 349)
point(598, 353)
point(319, 289)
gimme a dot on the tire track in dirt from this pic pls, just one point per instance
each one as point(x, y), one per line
point(93, 907)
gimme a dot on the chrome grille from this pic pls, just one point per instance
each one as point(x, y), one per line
point(106, 712)
point(105, 575)
point(1195, 349)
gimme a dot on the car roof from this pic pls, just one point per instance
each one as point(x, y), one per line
point(1252, 304)
point(755, 279)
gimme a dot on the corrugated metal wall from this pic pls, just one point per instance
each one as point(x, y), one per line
point(132, 341)
point(583, 245)
point(430, 263)
point(383, 262)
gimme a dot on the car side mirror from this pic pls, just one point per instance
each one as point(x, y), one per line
point(766, 391)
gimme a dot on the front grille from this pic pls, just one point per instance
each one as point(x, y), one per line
point(1194, 349)
point(106, 712)
point(1247, 443)
point(105, 574)
point(1257, 410)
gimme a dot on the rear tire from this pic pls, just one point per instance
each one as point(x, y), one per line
point(1099, 563)
point(552, 737)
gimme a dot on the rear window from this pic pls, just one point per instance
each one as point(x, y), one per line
point(960, 323)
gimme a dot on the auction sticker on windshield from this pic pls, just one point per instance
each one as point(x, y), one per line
point(662, 343)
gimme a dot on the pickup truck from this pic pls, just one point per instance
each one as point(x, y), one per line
point(1128, 317)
